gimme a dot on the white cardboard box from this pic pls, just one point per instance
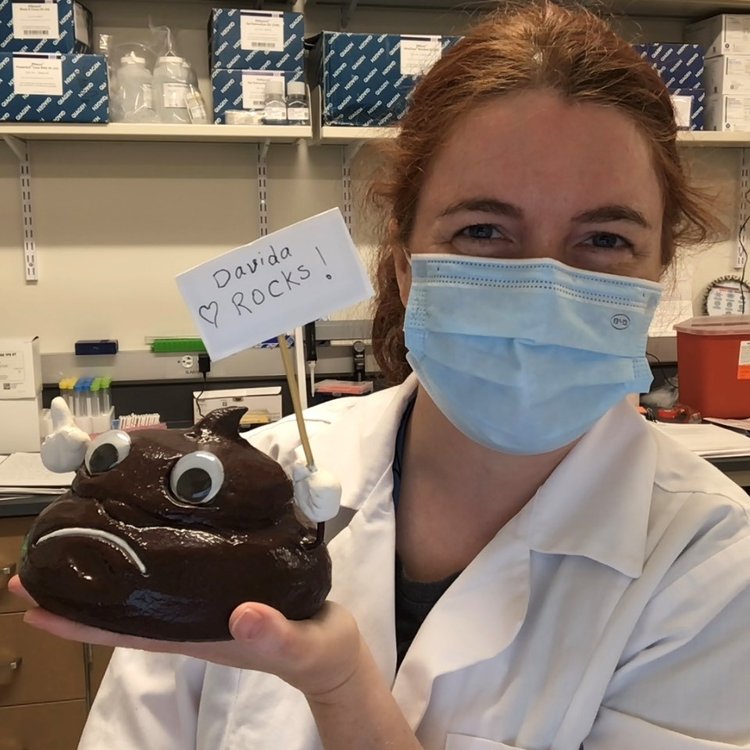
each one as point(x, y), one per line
point(725, 34)
point(266, 399)
point(20, 368)
point(728, 113)
point(727, 75)
point(20, 428)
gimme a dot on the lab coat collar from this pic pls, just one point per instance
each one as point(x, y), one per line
point(596, 503)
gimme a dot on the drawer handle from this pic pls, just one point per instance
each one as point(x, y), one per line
point(8, 669)
point(6, 573)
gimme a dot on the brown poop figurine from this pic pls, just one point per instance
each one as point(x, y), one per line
point(164, 532)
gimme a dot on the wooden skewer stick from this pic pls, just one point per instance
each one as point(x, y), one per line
point(291, 380)
point(292, 383)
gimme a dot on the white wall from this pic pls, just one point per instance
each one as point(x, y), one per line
point(115, 222)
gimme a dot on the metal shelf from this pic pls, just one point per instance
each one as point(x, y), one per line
point(162, 132)
point(331, 134)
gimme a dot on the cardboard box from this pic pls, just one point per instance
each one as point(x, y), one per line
point(64, 26)
point(690, 108)
point(20, 424)
point(727, 75)
point(53, 88)
point(20, 368)
point(679, 65)
point(244, 89)
point(727, 113)
point(255, 39)
point(366, 79)
point(725, 34)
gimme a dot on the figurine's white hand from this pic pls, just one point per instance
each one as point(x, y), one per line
point(316, 491)
point(65, 448)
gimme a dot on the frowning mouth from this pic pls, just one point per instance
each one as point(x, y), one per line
point(104, 536)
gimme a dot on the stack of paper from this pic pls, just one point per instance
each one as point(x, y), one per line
point(25, 473)
point(706, 440)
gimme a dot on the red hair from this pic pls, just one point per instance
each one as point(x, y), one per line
point(539, 45)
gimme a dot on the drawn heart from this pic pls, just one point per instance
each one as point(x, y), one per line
point(209, 312)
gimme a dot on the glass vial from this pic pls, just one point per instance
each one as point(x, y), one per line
point(297, 109)
point(275, 102)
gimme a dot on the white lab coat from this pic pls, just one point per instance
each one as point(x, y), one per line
point(612, 613)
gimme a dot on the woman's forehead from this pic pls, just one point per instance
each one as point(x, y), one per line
point(537, 144)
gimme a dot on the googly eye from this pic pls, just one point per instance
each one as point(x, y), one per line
point(197, 477)
point(107, 450)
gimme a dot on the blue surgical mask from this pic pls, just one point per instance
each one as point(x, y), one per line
point(524, 356)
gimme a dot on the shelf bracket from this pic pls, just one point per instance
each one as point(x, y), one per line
point(347, 13)
point(743, 209)
point(347, 207)
point(21, 150)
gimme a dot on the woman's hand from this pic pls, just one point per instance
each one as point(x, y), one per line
point(316, 656)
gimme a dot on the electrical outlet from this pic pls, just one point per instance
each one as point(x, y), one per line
point(187, 362)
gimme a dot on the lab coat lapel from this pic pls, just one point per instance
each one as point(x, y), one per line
point(476, 619)
point(359, 450)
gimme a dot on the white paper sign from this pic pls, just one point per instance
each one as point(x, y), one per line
point(417, 54)
point(37, 75)
point(286, 279)
point(262, 32)
point(12, 366)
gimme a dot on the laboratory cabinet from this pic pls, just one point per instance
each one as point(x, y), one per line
point(46, 683)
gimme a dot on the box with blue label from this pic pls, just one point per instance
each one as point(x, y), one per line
point(53, 88)
point(255, 39)
point(690, 108)
point(680, 66)
point(366, 79)
point(245, 89)
point(63, 26)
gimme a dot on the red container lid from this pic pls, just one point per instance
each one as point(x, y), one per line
point(715, 325)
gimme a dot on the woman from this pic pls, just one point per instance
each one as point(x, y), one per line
point(527, 563)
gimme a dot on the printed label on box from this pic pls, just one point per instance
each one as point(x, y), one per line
point(262, 32)
point(419, 53)
point(737, 109)
point(254, 88)
point(743, 367)
point(35, 20)
point(37, 75)
point(12, 368)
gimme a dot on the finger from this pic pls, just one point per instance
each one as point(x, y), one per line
point(17, 589)
point(60, 413)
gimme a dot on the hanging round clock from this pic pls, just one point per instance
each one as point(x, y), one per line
point(727, 295)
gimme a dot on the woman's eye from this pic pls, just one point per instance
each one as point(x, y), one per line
point(608, 241)
point(107, 450)
point(197, 478)
point(481, 232)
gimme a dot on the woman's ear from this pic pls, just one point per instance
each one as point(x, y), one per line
point(403, 272)
point(400, 262)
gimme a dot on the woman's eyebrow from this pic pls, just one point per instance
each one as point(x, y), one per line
point(486, 205)
point(614, 212)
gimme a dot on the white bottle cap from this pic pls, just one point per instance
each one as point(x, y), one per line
point(296, 88)
point(275, 85)
point(171, 59)
point(131, 58)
